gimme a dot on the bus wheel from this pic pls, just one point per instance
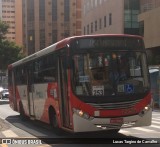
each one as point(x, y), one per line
point(54, 122)
point(23, 117)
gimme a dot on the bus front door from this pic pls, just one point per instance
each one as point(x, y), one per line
point(14, 91)
point(64, 99)
point(30, 92)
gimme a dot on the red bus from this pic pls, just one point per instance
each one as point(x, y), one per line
point(84, 83)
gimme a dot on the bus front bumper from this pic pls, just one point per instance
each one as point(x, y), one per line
point(98, 124)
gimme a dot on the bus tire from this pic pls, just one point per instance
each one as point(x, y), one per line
point(23, 117)
point(54, 122)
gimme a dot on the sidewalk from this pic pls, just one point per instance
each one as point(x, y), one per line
point(4, 125)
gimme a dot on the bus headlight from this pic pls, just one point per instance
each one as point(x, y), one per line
point(145, 110)
point(82, 114)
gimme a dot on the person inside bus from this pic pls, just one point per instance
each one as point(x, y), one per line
point(122, 74)
point(114, 76)
point(118, 75)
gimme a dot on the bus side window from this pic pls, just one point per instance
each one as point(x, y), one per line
point(45, 69)
point(50, 73)
point(21, 76)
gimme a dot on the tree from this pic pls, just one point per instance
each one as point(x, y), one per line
point(3, 30)
point(9, 51)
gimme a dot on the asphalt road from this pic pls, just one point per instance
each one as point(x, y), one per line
point(12, 126)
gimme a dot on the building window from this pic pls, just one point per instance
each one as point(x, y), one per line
point(54, 36)
point(100, 23)
point(66, 10)
point(66, 33)
point(141, 28)
point(132, 4)
point(42, 39)
point(30, 11)
point(31, 42)
point(105, 21)
point(87, 29)
point(84, 30)
point(131, 24)
point(42, 10)
point(92, 27)
point(95, 25)
point(110, 18)
point(54, 10)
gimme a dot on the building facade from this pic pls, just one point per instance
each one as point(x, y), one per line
point(110, 16)
point(149, 19)
point(147, 5)
point(48, 21)
point(11, 13)
point(1, 9)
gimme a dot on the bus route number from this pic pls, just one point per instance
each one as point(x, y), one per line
point(98, 90)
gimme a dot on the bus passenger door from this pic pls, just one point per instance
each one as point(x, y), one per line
point(13, 90)
point(63, 86)
point(30, 91)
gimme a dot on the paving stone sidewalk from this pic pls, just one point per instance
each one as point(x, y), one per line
point(3, 125)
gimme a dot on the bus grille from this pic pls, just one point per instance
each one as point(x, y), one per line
point(110, 106)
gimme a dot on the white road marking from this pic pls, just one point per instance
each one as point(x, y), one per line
point(156, 122)
point(124, 131)
point(9, 133)
point(143, 129)
point(154, 126)
point(158, 119)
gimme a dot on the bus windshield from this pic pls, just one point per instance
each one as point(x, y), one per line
point(110, 73)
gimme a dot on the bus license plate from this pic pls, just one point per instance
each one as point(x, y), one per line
point(116, 120)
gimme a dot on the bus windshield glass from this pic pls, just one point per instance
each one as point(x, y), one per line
point(110, 73)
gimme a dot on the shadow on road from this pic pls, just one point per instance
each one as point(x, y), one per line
point(45, 133)
point(44, 130)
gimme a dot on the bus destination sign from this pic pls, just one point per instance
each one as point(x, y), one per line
point(110, 43)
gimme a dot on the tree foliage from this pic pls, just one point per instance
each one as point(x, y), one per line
point(3, 30)
point(9, 51)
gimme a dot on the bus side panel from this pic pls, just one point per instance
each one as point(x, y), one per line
point(39, 98)
point(11, 100)
point(22, 95)
point(51, 101)
point(12, 90)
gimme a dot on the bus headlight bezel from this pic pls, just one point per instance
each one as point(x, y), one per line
point(82, 114)
point(145, 110)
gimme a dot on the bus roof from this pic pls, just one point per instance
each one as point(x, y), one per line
point(63, 43)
